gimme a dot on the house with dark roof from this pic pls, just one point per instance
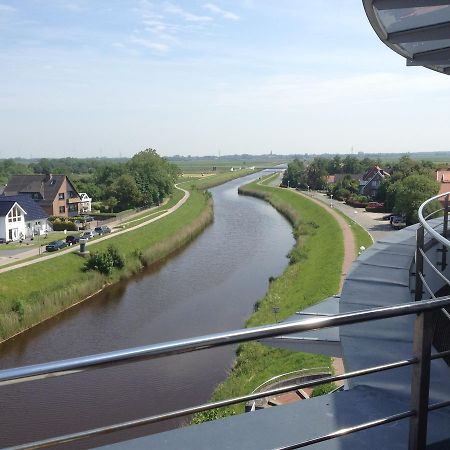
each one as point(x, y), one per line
point(55, 194)
point(12, 221)
point(34, 218)
point(371, 181)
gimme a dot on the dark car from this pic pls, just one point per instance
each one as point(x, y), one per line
point(55, 245)
point(104, 229)
point(72, 240)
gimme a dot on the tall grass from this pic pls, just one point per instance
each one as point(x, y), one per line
point(42, 290)
point(308, 279)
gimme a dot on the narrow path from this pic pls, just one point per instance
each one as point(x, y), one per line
point(349, 257)
point(35, 252)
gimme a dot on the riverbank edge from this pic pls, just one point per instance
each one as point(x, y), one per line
point(292, 215)
point(148, 257)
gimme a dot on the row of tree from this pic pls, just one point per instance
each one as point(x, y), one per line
point(144, 180)
point(66, 166)
point(410, 182)
point(300, 175)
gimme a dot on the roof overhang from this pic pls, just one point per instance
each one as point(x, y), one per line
point(418, 30)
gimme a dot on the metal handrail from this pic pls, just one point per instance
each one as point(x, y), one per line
point(175, 347)
point(300, 373)
point(428, 227)
point(80, 364)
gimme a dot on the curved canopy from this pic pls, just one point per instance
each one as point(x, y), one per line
point(419, 30)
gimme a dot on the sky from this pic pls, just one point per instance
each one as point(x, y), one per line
point(109, 78)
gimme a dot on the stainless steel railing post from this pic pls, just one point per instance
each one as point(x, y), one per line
point(420, 380)
point(444, 234)
point(419, 263)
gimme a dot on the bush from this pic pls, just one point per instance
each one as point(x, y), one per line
point(18, 308)
point(102, 262)
point(61, 226)
point(105, 262)
point(117, 259)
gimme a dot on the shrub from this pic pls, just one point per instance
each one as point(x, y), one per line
point(102, 262)
point(117, 259)
point(18, 308)
point(106, 261)
point(61, 226)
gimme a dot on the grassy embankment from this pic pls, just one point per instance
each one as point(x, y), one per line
point(220, 178)
point(31, 294)
point(312, 275)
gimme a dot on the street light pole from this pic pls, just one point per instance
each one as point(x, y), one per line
point(331, 200)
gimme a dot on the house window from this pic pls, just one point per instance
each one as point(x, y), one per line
point(14, 215)
point(61, 195)
point(62, 209)
point(72, 207)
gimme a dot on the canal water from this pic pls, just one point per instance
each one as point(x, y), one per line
point(210, 286)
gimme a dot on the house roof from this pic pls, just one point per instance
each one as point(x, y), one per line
point(443, 176)
point(33, 210)
point(5, 207)
point(46, 185)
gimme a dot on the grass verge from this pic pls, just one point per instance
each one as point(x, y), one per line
point(362, 237)
point(312, 275)
point(34, 293)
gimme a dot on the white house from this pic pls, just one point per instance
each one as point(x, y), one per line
point(12, 221)
point(85, 204)
point(25, 220)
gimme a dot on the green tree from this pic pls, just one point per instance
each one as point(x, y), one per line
point(295, 175)
point(125, 190)
point(316, 173)
point(411, 192)
point(154, 175)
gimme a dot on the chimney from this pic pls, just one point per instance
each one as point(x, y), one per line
point(47, 177)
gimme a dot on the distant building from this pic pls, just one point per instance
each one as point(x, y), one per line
point(371, 181)
point(54, 193)
point(86, 203)
point(443, 178)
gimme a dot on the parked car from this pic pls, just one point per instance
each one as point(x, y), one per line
point(3, 241)
point(375, 207)
point(88, 235)
point(104, 229)
point(398, 222)
point(72, 240)
point(88, 218)
point(55, 245)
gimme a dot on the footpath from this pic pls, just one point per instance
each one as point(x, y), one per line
point(36, 251)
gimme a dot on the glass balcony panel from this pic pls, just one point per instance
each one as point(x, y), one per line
point(406, 18)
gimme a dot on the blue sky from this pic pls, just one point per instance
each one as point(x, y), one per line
point(110, 78)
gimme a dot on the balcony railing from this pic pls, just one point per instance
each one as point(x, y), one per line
point(420, 360)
